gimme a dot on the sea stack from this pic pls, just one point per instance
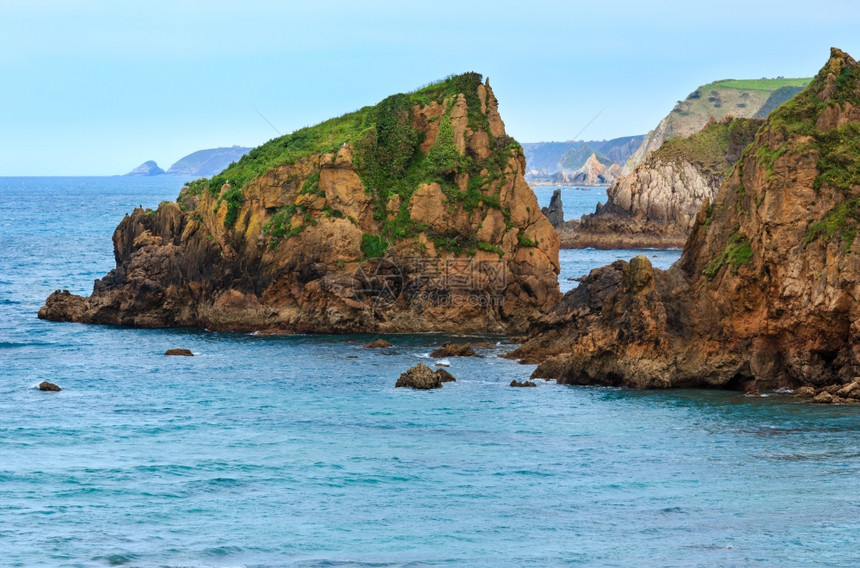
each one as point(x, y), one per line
point(766, 292)
point(408, 216)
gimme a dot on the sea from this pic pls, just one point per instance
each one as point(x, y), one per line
point(298, 451)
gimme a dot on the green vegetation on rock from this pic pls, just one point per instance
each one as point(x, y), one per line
point(837, 147)
point(759, 84)
point(709, 148)
point(388, 159)
point(736, 253)
point(279, 226)
point(843, 220)
point(373, 246)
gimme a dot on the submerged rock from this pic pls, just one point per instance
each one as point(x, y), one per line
point(445, 376)
point(50, 387)
point(516, 383)
point(179, 352)
point(420, 377)
point(455, 350)
point(378, 344)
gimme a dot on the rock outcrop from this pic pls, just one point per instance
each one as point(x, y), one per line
point(766, 292)
point(656, 206)
point(179, 353)
point(454, 350)
point(49, 387)
point(831, 394)
point(421, 377)
point(446, 377)
point(554, 213)
point(378, 344)
point(412, 215)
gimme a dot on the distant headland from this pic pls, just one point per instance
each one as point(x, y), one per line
point(202, 163)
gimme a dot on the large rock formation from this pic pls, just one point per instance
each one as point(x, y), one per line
point(753, 98)
point(656, 205)
point(766, 292)
point(412, 215)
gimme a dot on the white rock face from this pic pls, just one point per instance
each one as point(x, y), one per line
point(666, 193)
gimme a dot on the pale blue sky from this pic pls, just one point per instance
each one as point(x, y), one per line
point(94, 87)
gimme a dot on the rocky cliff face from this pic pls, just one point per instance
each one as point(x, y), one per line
point(656, 205)
point(737, 98)
point(765, 294)
point(554, 213)
point(412, 215)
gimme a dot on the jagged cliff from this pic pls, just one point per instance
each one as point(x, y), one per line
point(412, 215)
point(766, 291)
point(656, 205)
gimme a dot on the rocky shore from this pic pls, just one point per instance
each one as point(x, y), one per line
point(766, 292)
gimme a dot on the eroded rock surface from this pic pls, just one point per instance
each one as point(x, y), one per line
point(656, 206)
point(409, 216)
point(766, 292)
point(420, 377)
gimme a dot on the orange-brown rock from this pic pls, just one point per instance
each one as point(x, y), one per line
point(409, 216)
point(766, 292)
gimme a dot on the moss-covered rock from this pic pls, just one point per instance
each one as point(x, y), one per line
point(766, 292)
point(410, 215)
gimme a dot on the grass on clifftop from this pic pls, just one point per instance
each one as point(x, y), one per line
point(388, 158)
point(395, 140)
point(759, 84)
point(709, 148)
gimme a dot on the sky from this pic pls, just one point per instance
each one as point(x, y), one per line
point(92, 87)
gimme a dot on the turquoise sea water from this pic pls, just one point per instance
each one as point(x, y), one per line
point(265, 452)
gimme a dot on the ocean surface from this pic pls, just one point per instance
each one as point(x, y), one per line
point(287, 451)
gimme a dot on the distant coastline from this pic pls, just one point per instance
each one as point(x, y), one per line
point(202, 163)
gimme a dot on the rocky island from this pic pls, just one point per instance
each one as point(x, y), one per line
point(766, 292)
point(411, 215)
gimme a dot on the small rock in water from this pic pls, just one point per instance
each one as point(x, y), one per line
point(46, 386)
point(352, 356)
point(419, 377)
point(378, 344)
point(455, 350)
point(516, 383)
point(445, 376)
point(180, 352)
